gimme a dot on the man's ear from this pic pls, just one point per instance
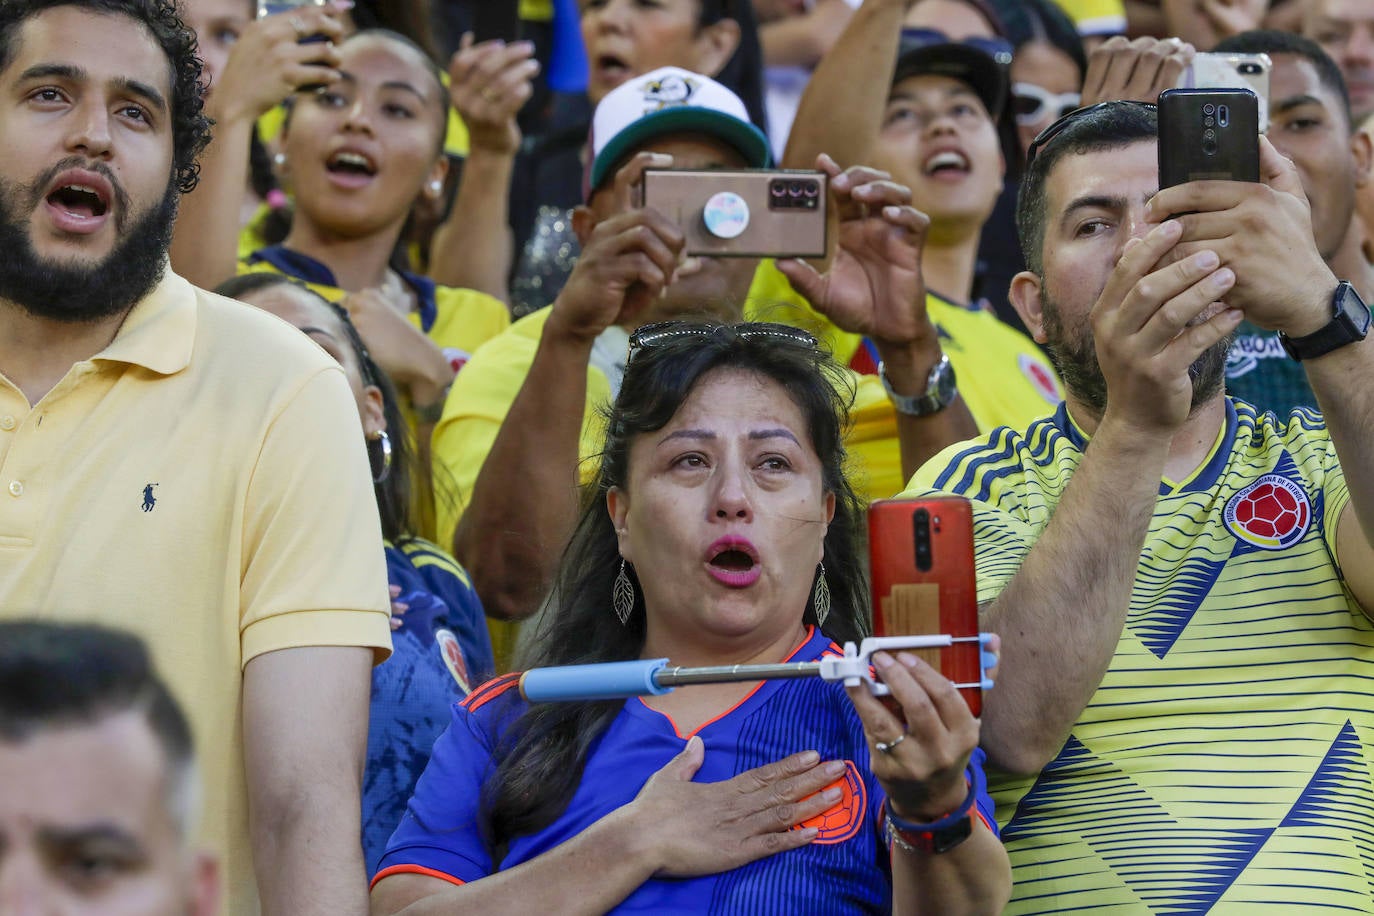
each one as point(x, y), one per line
point(1025, 295)
point(1362, 148)
point(716, 44)
point(583, 222)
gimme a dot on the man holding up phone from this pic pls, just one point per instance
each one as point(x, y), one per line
point(1184, 701)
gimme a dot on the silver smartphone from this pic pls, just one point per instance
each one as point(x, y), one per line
point(1211, 70)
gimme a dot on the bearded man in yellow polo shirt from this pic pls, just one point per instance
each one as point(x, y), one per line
point(175, 463)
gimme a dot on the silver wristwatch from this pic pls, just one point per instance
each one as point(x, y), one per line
point(940, 391)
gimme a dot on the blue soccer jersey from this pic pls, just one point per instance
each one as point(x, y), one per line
point(1223, 765)
point(845, 870)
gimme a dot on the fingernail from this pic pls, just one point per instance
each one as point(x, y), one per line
point(1206, 260)
point(892, 212)
point(882, 660)
point(1223, 278)
point(810, 758)
point(834, 768)
point(831, 795)
point(1171, 227)
point(906, 658)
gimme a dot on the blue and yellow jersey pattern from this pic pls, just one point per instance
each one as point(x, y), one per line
point(1224, 764)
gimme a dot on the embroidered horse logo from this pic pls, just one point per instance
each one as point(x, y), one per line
point(148, 499)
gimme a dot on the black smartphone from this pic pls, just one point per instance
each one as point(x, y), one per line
point(496, 19)
point(1208, 134)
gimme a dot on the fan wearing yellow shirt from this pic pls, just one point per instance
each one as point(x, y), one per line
point(1184, 715)
point(358, 152)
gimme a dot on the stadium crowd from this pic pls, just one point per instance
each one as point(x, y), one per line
point(347, 372)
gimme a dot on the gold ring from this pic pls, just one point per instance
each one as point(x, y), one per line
point(299, 26)
point(887, 747)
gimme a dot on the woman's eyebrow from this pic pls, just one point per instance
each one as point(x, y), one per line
point(778, 433)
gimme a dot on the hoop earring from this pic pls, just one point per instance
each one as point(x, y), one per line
point(820, 600)
point(384, 442)
point(623, 595)
point(435, 187)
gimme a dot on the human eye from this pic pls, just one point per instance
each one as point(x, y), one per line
point(899, 114)
point(135, 113)
point(963, 110)
point(397, 110)
point(689, 461)
point(225, 36)
point(88, 870)
point(48, 95)
point(775, 462)
point(1091, 227)
point(328, 98)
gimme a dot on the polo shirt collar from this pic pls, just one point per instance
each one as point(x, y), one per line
point(305, 268)
point(159, 333)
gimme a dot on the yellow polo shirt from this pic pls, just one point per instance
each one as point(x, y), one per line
point(201, 482)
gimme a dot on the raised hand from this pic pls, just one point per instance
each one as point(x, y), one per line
point(1139, 70)
point(488, 84)
point(626, 262)
point(874, 285)
point(270, 61)
point(1154, 318)
point(705, 828)
point(1262, 232)
point(410, 358)
point(929, 743)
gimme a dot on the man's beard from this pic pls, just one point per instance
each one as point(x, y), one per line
point(1075, 356)
point(77, 291)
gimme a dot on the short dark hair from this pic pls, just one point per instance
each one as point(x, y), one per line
point(55, 676)
point(1272, 41)
point(1104, 127)
point(190, 126)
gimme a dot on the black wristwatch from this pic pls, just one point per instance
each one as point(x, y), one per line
point(1349, 323)
point(935, 837)
point(940, 390)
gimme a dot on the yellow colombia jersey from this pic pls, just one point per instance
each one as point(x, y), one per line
point(457, 320)
point(1223, 765)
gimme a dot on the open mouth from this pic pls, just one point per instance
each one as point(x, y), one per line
point(733, 561)
point(948, 162)
point(352, 164)
point(79, 200)
point(612, 68)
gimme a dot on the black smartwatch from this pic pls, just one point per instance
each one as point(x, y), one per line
point(1349, 323)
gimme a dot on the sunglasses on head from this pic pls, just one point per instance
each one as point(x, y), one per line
point(999, 49)
point(1032, 103)
point(1047, 136)
point(664, 333)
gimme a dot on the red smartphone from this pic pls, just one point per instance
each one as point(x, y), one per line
point(921, 555)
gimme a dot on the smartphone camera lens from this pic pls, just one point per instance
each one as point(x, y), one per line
point(1209, 122)
point(1209, 108)
point(812, 189)
point(1209, 135)
point(1249, 69)
point(1209, 147)
point(794, 189)
point(777, 189)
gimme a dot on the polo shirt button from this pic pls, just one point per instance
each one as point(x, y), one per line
point(16, 488)
point(7, 423)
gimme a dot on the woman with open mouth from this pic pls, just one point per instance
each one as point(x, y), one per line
point(721, 530)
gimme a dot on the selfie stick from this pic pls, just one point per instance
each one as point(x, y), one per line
point(652, 676)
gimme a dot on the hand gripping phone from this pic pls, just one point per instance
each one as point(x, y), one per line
point(273, 7)
point(1208, 134)
point(745, 213)
point(921, 555)
point(496, 20)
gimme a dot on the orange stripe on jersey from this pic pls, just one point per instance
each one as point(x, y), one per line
point(490, 691)
point(414, 870)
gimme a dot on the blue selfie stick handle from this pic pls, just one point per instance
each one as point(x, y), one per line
point(608, 681)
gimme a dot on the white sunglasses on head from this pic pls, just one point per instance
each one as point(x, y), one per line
point(1034, 104)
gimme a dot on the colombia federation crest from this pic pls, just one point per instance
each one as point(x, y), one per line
point(1272, 513)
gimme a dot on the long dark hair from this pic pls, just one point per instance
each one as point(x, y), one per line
point(395, 494)
point(540, 756)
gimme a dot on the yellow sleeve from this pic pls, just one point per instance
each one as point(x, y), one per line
point(466, 320)
point(314, 567)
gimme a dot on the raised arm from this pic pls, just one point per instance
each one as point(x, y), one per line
point(267, 64)
point(524, 502)
point(874, 287)
point(842, 108)
point(489, 83)
point(1062, 614)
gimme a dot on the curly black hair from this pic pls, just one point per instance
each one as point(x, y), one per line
point(190, 126)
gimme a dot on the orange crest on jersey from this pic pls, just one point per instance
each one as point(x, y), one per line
point(842, 820)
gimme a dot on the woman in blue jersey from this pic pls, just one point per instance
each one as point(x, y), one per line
point(440, 643)
point(721, 531)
